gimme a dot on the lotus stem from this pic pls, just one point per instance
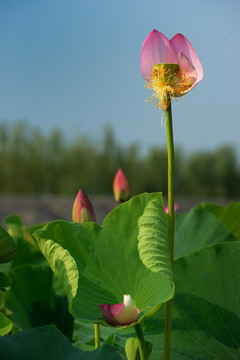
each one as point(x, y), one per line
point(97, 335)
point(142, 342)
point(170, 147)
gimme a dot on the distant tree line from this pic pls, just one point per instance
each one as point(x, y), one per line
point(33, 163)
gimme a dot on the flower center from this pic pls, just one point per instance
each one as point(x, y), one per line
point(167, 81)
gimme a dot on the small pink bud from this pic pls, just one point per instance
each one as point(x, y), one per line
point(120, 314)
point(121, 187)
point(175, 208)
point(82, 209)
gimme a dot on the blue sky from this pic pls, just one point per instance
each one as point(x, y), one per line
point(75, 65)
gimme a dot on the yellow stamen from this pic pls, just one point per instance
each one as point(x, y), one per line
point(167, 81)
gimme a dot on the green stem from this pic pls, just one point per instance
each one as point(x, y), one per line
point(97, 335)
point(142, 342)
point(170, 146)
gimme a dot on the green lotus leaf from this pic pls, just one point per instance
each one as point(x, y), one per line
point(32, 300)
point(15, 225)
point(98, 265)
point(49, 343)
point(133, 350)
point(28, 250)
point(206, 311)
point(5, 325)
point(8, 249)
point(229, 215)
point(5, 280)
point(197, 229)
point(153, 239)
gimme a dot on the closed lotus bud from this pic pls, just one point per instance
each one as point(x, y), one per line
point(121, 187)
point(120, 314)
point(175, 208)
point(82, 209)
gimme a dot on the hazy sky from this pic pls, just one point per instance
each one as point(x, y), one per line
point(75, 64)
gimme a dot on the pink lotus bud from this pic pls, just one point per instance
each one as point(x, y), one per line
point(175, 208)
point(82, 209)
point(121, 187)
point(120, 314)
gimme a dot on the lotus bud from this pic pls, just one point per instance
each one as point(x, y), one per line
point(82, 209)
point(120, 314)
point(175, 208)
point(121, 187)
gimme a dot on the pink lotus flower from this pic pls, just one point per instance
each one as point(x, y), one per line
point(175, 208)
point(171, 68)
point(121, 187)
point(120, 314)
point(82, 209)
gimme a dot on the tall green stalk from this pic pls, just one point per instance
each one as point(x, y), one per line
point(97, 335)
point(142, 343)
point(170, 147)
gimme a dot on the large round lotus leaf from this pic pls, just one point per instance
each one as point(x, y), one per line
point(32, 300)
point(49, 343)
point(206, 307)
point(229, 215)
point(197, 229)
point(8, 249)
point(28, 251)
point(98, 265)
